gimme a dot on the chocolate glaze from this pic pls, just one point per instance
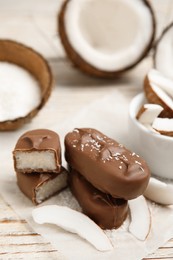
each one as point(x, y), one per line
point(30, 183)
point(105, 210)
point(39, 140)
point(106, 164)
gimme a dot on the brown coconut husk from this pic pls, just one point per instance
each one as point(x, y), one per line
point(140, 112)
point(167, 133)
point(32, 61)
point(84, 66)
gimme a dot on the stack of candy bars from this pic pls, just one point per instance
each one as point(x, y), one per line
point(104, 175)
point(37, 162)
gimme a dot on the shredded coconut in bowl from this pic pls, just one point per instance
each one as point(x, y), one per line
point(19, 92)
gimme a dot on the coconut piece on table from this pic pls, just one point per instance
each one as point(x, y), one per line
point(105, 38)
point(74, 222)
point(159, 90)
point(140, 224)
point(163, 60)
point(38, 151)
point(164, 126)
point(40, 186)
point(159, 191)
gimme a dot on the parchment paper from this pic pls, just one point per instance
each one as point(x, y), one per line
point(109, 115)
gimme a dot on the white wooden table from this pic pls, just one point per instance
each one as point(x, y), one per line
point(34, 23)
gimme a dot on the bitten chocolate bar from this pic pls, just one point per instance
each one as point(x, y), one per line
point(105, 210)
point(106, 164)
point(38, 151)
point(40, 186)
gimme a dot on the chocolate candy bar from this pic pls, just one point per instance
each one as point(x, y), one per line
point(106, 164)
point(105, 210)
point(40, 186)
point(38, 151)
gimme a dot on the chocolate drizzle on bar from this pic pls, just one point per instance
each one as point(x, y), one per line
point(35, 140)
point(40, 139)
point(107, 148)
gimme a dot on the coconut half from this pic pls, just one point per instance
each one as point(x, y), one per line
point(28, 59)
point(159, 90)
point(105, 38)
point(163, 54)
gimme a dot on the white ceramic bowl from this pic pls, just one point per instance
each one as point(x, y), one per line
point(157, 150)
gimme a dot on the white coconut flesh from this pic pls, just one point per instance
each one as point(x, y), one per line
point(164, 53)
point(140, 218)
point(162, 95)
point(109, 35)
point(159, 191)
point(150, 113)
point(163, 124)
point(35, 160)
point(157, 78)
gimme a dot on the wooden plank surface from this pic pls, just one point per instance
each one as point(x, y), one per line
point(19, 241)
point(34, 23)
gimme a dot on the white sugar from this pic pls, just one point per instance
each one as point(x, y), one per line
point(19, 92)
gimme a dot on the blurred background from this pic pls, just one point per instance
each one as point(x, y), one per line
point(34, 22)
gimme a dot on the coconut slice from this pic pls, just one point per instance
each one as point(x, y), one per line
point(104, 38)
point(163, 82)
point(74, 222)
point(164, 126)
point(159, 192)
point(163, 60)
point(159, 90)
point(140, 218)
point(148, 113)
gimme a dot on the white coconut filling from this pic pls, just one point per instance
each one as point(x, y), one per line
point(162, 95)
point(161, 81)
point(19, 92)
point(110, 35)
point(163, 124)
point(51, 187)
point(164, 54)
point(35, 160)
